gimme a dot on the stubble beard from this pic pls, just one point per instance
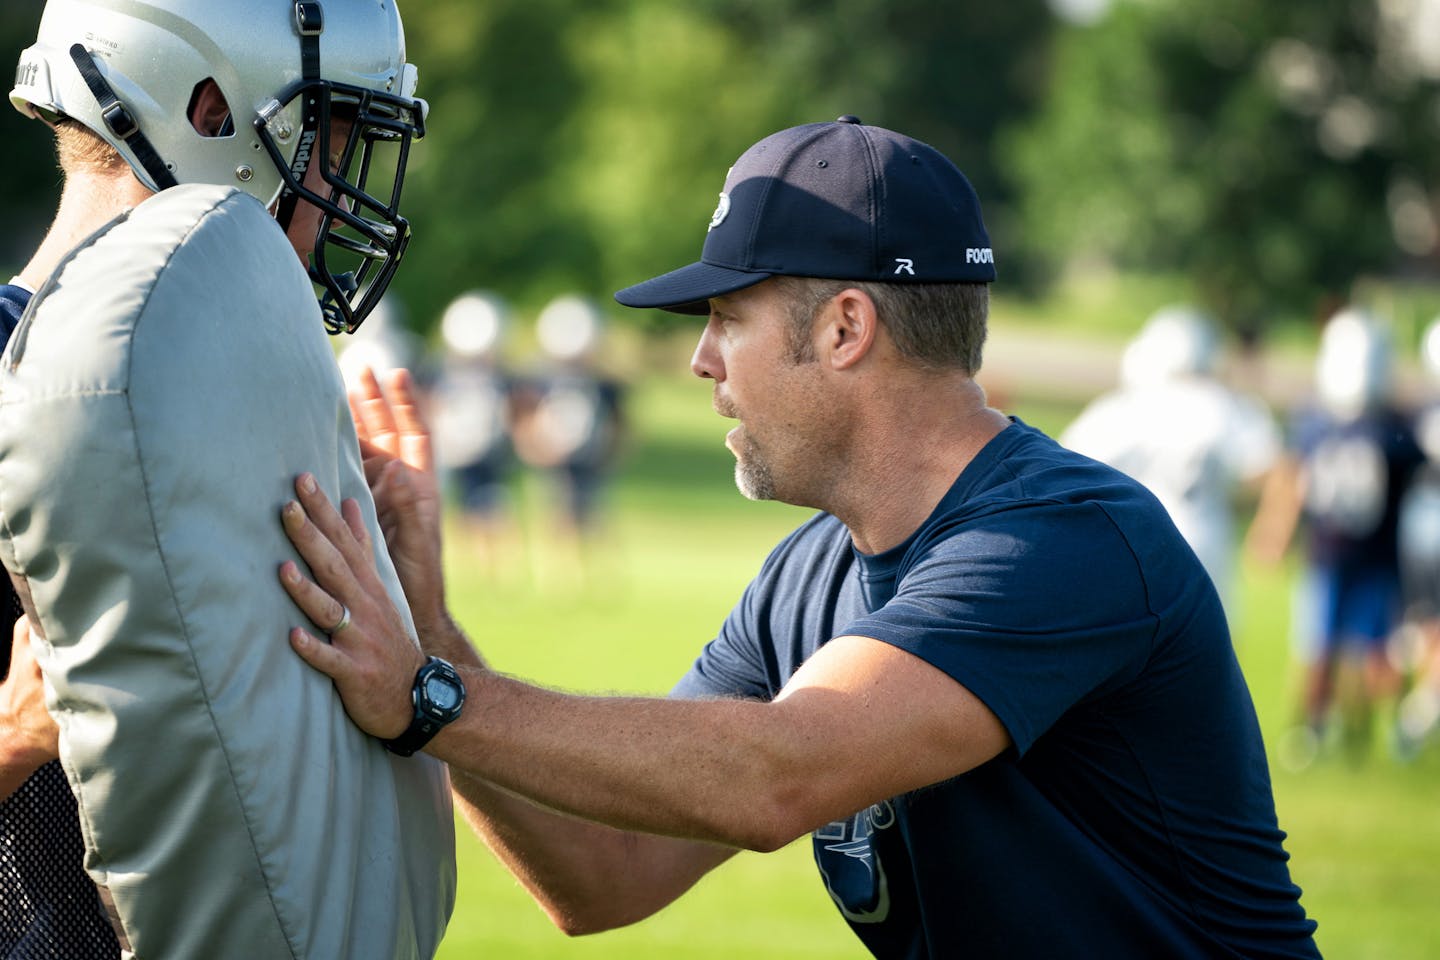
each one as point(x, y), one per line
point(752, 473)
point(753, 476)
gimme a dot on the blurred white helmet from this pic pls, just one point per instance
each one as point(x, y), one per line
point(1430, 349)
point(1176, 341)
point(473, 324)
point(1353, 366)
point(569, 328)
point(129, 70)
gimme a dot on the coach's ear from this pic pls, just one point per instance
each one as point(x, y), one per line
point(210, 111)
point(848, 328)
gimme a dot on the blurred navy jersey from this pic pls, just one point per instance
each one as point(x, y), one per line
point(1356, 472)
point(49, 908)
point(1134, 816)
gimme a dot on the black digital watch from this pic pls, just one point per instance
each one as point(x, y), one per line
point(438, 694)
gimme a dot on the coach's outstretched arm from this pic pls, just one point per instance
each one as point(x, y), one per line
point(731, 772)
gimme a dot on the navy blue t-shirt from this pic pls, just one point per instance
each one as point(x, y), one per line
point(1134, 816)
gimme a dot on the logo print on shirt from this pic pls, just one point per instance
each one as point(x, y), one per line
point(856, 878)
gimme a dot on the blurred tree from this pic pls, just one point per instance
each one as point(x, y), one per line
point(1274, 152)
point(582, 147)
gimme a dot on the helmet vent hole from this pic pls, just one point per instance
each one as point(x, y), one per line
point(209, 111)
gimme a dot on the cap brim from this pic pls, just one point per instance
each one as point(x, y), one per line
point(689, 289)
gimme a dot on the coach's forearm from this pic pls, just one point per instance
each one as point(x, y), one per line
point(586, 876)
point(730, 772)
point(441, 636)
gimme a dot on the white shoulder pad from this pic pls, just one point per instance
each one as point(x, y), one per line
point(164, 389)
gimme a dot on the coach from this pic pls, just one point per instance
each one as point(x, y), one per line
point(988, 678)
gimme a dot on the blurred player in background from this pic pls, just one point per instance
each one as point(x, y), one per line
point(1418, 715)
point(569, 425)
point(1174, 426)
point(1350, 457)
point(470, 407)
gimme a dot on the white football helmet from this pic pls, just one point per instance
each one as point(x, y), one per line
point(1176, 341)
point(128, 70)
point(570, 328)
point(474, 324)
point(1430, 349)
point(1353, 369)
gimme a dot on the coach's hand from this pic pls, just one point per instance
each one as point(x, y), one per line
point(370, 656)
point(400, 469)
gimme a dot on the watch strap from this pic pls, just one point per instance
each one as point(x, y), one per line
point(428, 719)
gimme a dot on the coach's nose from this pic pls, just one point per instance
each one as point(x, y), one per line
point(706, 362)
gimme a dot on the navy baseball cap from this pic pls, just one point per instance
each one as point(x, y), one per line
point(841, 201)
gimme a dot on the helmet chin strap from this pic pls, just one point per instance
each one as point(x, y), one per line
point(119, 120)
point(309, 24)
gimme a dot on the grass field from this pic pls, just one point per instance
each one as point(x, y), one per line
point(681, 543)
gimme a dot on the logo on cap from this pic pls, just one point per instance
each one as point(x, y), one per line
point(722, 210)
point(979, 255)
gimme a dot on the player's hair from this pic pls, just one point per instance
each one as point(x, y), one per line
point(934, 325)
point(79, 148)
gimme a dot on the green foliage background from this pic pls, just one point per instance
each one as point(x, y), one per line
point(1272, 153)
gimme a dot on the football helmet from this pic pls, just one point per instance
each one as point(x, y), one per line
point(1430, 349)
point(129, 71)
point(1176, 341)
point(474, 324)
point(1353, 368)
point(570, 328)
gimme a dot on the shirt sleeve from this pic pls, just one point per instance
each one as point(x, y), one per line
point(731, 664)
point(735, 663)
point(1032, 613)
point(783, 616)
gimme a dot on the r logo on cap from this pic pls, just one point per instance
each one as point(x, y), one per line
point(722, 210)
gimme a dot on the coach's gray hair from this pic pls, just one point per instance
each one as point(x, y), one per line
point(934, 325)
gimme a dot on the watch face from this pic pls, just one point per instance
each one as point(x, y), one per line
point(441, 693)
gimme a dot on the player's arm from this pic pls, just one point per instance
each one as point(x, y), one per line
point(733, 772)
point(28, 735)
point(1282, 495)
